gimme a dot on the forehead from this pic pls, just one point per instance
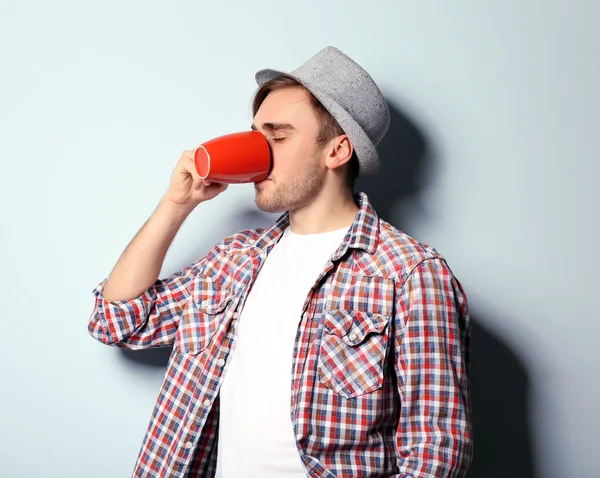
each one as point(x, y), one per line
point(289, 105)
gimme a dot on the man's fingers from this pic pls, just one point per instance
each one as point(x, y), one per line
point(188, 154)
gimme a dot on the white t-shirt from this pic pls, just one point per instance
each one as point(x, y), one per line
point(256, 437)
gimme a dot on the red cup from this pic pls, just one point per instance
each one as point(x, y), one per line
point(235, 158)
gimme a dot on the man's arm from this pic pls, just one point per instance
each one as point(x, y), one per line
point(432, 353)
point(139, 265)
point(133, 308)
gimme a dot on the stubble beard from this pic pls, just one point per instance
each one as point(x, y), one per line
point(299, 192)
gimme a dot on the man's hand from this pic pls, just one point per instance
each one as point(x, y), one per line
point(187, 189)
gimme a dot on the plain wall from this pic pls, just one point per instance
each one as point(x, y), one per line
point(492, 158)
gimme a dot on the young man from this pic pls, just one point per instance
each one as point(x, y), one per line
point(331, 344)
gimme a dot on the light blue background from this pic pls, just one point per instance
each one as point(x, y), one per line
point(98, 99)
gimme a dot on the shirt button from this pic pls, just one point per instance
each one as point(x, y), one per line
point(251, 242)
point(352, 336)
point(204, 303)
point(220, 362)
point(189, 445)
point(207, 403)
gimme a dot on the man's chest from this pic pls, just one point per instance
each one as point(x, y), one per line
point(312, 286)
point(308, 296)
point(338, 342)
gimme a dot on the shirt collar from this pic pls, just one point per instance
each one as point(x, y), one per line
point(362, 234)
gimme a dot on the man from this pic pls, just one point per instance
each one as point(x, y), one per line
point(330, 344)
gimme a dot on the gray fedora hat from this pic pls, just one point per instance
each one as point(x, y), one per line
point(349, 93)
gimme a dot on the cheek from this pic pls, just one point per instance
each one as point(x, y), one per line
point(285, 158)
point(292, 157)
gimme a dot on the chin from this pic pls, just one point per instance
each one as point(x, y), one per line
point(267, 203)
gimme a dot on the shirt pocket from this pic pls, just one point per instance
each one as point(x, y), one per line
point(352, 352)
point(205, 311)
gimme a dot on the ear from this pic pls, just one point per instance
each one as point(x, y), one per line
point(340, 152)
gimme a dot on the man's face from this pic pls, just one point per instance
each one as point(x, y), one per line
point(287, 119)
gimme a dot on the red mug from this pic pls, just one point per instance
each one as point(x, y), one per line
point(235, 158)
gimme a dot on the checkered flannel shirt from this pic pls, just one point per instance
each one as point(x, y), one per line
point(380, 363)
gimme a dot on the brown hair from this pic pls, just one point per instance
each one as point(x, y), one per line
point(330, 128)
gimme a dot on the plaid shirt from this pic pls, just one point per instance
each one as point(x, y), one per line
point(380, 366)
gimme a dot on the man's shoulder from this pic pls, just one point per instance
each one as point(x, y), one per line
point(242, 239)
point(239, 244)
point(397, 253)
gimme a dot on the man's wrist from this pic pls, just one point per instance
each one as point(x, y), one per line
point(172, 211)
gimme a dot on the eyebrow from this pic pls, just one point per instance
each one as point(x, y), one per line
point(275, 126)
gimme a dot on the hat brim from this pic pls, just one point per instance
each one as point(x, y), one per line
point(368, 158)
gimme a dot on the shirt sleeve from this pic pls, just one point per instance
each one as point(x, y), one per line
point(431, 359)
point(147, 321)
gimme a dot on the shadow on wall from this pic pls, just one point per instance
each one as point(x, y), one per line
point(499, 381)
point(500, 395)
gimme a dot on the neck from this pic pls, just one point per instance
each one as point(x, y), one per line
point(327, 212)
